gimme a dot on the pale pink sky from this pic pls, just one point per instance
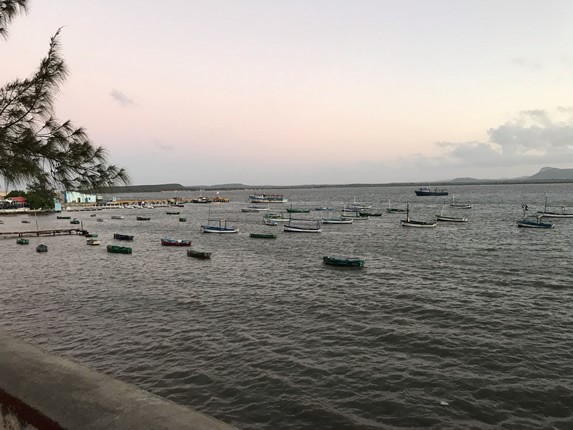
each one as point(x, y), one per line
point(303, 91)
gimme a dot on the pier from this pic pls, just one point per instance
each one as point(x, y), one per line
point(38, 233)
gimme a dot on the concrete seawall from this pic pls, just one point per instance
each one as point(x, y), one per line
point(39, 390)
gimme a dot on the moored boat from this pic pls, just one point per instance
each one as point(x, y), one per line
point(267, 198)
point(143, 218)
point(448, 218)
point(63, 217)
point(427, 191)
point(304, 226)
point(413, 223)
point(92, 241)
point(116, 249)
point(42, 248)
point(116, 217)
point(119, 236)
point(554, 214)
point(75, 221)
point(455, 205)
point(270, 222)
point(254, 208)
point(343, 261)
point(533, 223)
point(394, 210)
point(22, 241)
point(263, 235)
point(182, 219)
point(337, 220)
point(175, 242)
point(172, 213)
point(218, 226)
point(198, 254)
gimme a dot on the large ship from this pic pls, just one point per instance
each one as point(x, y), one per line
point(267, 198)
point(427, 191)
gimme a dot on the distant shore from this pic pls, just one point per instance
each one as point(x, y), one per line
point(231, 187)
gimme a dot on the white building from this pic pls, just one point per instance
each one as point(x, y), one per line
point(75, 197)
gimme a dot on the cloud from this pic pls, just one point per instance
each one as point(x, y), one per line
point(121, 98)
point(533, 136)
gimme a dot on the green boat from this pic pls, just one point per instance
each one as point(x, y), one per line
point(198, 254)
point(22, 241)
point(343, 261)
point(263, 235)
point(91, 235)
point(116, 249)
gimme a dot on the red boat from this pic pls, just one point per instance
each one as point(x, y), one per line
point(175, 242)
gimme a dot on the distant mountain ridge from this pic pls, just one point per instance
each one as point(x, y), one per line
point(546, 174)
point(549, 173)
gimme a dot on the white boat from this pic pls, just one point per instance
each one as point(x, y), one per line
point(554, 214)
point(254, 208)
point(267, 198)
point(268, 221)
point(455, 205)
point(305, 226)
point(356, 206)
point(116, 217)
point(417, 224)
point(219, 226)
point(278, 217)
point(337, 220)
point(448, 218)
point(91, 241)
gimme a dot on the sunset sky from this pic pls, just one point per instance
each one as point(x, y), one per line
point(311, 91)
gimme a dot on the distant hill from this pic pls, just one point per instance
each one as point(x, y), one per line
point(552, 173)
point(466, 180)
point(141, 188)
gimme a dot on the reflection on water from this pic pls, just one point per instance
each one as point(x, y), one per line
point(265, 336)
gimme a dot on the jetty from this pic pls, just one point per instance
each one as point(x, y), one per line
point(38, 233)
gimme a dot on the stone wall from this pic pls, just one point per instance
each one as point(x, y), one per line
point(39, 390)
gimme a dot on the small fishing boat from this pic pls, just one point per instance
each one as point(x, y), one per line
point(270, 222)
point(218, 226)
point(324, 208)
point(254, 208)
point(356, 206)
point(449, 218)
point(116, 217)
point(455, 205)
point(143, 218)
point(263, 235)
point(392, 210)
point(175, 242)
point(119, 236)
point(337, 220)
point(93, 215)
point(427, 191)
point(25, 221)
point(278, 217)
point(554, 214)
point(303, 227)
point(198, 254)
point(63, 217)
point(99, 220)
point(181, 219)
point(353, 215)
point(172, 213)
point(75, 221)
point(116, 249)
point(92, 241)
point(533, 223)
point(412, 223)
point(22, 241)
point(91, 234)
point(343, 261)
point(297, 210)
point(369, 213)
point(42, 248)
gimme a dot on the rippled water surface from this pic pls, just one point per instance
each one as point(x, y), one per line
point(461, 326)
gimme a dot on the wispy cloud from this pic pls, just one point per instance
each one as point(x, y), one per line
point(121, 98)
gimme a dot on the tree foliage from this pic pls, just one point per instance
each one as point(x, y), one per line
point(34, 145)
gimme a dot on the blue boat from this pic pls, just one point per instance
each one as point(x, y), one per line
point(533, 223)
point(427, 191)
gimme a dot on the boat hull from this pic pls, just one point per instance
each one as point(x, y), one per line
point(198, 254)
point(450, 219)
point(298, 229)
point(417, 224)
point(175, 242)
point(343, 262)
point(535, 224)
point(218, 230)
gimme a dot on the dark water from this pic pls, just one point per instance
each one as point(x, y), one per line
point(264, 336)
